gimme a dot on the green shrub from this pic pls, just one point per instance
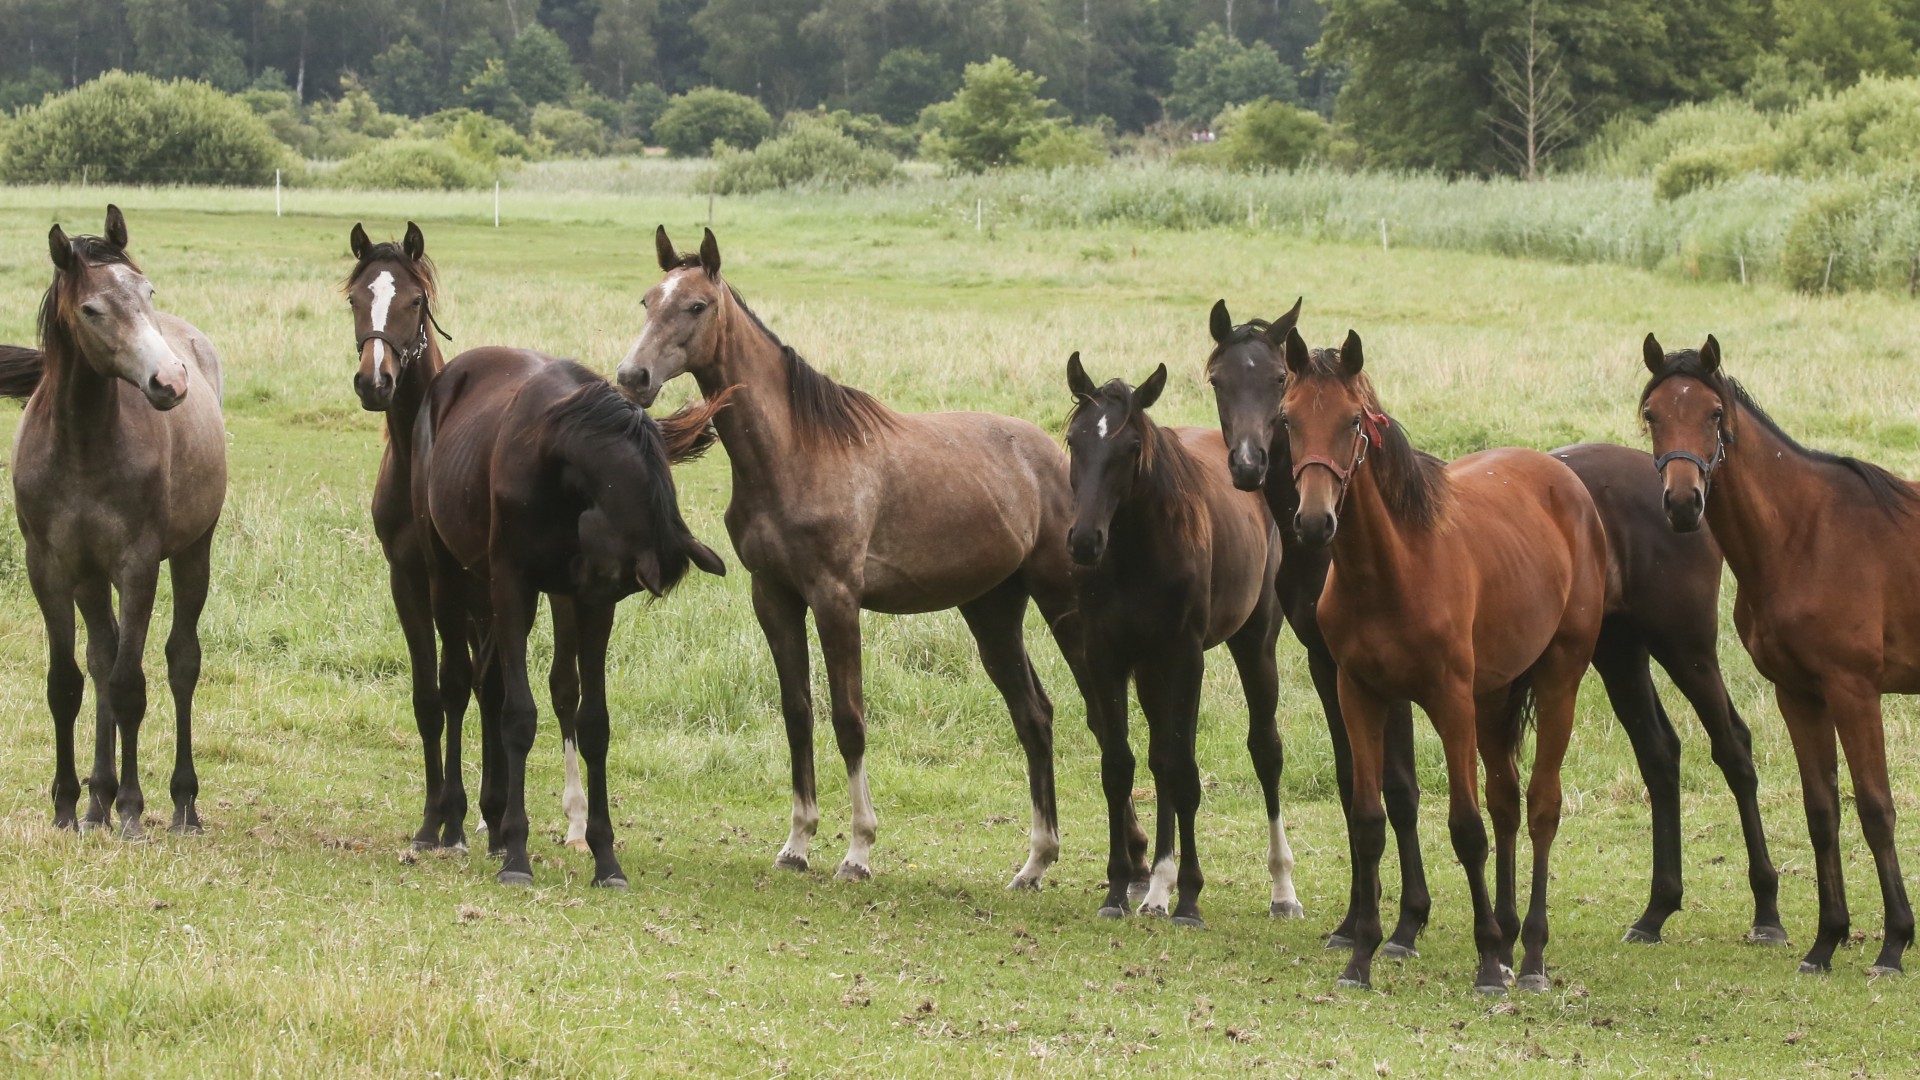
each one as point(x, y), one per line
point(1270, 134)
point(1063, 146)
point(697, 119)
point(1871, 229)
point(411, 165)
point(814, 154)
point(905, 82)
point(1217, 72)
point(133, 129)
point(645, 104)
point(1628, 147)
point(572, 134)
point(867, 129)
point(1690, 170)
point(1871, 127)
point(476, 135)
point(998, 108)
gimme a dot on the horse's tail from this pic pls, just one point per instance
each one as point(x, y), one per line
point(689, 431)
point(1520, 714)
point(19, 371)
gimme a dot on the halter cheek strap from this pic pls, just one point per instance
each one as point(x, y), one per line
point(1373, 427)
point(410, 351)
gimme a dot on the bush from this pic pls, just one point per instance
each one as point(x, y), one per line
point(1690, 170)
point(1870, 229)
point(1063, 146)
point(1626, 147)
point(411, 165)
point(814, 153)
point(1869, 128)
point(646, 103)
point(867, 129)
point(571, 134)
point(697, 119)
point(476, 135)
point(1270, 135)
point(998, 108)
point(133, 129)
point(1217, 72)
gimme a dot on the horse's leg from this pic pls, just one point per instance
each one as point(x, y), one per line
point(1818, 758)
point(65, 686)
point(1557, 689)
point(1863, 736)
point(413, 603)
point(1497, 729)
point(127, 686)
point(595, 626)
point(513, 609)
point(996, 620)
point(1620, 656)
point(1170, 696)
point(1365, 715)
point(1153, 678)
point(1401, 788)
point(783, 621)
point(94, 598)
point(836, 615)
point(1252, 650)
point(191, 569)
point(1453, 718)
point(488, 702)
point(1696, 672)
point(563, 687)
point(1326, 682)
point(1106, 689)
point(448, 601)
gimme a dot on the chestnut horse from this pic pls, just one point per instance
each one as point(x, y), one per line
point(1173, 562)
point(533, 475)
point(1827, 602)
point(1474, 590)
point(119, 464)
point(841, 504)
point(391, 290)
point(1662, 604)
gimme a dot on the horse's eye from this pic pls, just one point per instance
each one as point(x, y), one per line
point(93, 310)
point(1647, 416)
point(417, 299)
point(696, 308)
point(1718, 413)
point(1358, 422)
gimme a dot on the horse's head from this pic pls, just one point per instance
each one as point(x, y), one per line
point(1248, 377)
point(1107, 437)
point(1686, 409)
point(103, 304)
point(1330, 420)
point(390, 291)
point(682, 331)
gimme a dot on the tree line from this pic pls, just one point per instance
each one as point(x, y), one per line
point(1459, 86)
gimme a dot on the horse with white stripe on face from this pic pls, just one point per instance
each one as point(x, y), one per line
point(119, 464)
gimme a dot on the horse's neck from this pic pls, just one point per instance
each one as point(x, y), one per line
point(757, 426)
point(1153, 512)
point(408, 396)
point(86, 404)
point(1760, 480)
point(1370, 546)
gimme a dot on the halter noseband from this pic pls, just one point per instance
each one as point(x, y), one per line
point(1373, 425)
point(414, 350)
point(1705, 466)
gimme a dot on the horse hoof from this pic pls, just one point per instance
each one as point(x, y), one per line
point(1024, 884)
point(617, 881)
point(1393, 950)
point(1767, 935)
point(789, 861)
point(1637, 936)
point(458, 847)
point(1490, 990)
point(850, 871)
point(1344, 983)
point(1882, 970)
point(1533, 984)
point(1808, 967)
point(1154, 911)
point(90, 825)
point(186, 828)
point(67, 823)
point(1113, 911)
point(514, 877)
point(1286, 909)
point(578, 845)
point(1339, 941)
point(130, 829)
point(1193, 921)
point(1137, 893)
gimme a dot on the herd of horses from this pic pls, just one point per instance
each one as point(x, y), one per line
point(1479, 589)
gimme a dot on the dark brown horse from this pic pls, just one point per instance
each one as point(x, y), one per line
point(533, 475)
point(1474, 590)
point(1827, 603)
point(119, 464)
point(391, 291)
point(1662, 603)
point(1173, 562)
point(841, 504)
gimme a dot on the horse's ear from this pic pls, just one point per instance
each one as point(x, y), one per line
point(1294, 351)
point(1220, 322)
point(1710, 355)
point(710, 254)
point(116, 227)
point(704, 557)
point(1148, 392)
point(1077, 380)
point(357, 240)
point(1654, 356)
point(646, 571)
point(663, 249)
point(415, 243)
point(1277, 330)
point(1351, 357)
point(60, 248)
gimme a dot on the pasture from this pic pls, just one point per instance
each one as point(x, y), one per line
point(298, 936)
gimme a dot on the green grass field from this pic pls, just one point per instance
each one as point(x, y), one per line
point(297, 938)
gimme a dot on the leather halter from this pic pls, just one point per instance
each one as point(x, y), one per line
point(414, 350)
point(1372, 428)
point(1705, 466)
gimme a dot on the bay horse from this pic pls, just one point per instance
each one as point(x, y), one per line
point(842, 504)
point(391, 291)
point(1173, 561)
point(1474, 590)
point(534, 475)
point(1662, 605)
point(1827, 601)
point(119, 464)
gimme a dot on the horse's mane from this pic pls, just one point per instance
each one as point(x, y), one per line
point(1890, 493)
point(1413, 483)
point(824, 411)
point(1168, 478)
point(388, 251)
point(56, 308)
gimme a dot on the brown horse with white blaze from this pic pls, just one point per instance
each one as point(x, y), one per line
point(119, 464)
point(1474, 590)
point(841, 504)
point(1828, 602)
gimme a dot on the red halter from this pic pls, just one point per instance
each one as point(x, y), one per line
point(1373, 426)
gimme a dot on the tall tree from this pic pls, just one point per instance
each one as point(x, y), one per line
point(621, 48)
point(1534, 111)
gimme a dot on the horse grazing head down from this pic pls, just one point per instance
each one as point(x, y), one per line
point(100, 306)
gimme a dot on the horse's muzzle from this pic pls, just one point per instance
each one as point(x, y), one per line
point(1086, 545)
point(1315, 530)
point(1249, 468)
point(1684, 512)
point(375, 394)
point(638, 385)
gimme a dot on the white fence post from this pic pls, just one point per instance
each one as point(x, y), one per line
point(1383, 234)
point(976, 213)
point(276, 193)
point(496, 204)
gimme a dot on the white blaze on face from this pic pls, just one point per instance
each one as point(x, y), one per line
point(381, 289)
point(667, 285)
